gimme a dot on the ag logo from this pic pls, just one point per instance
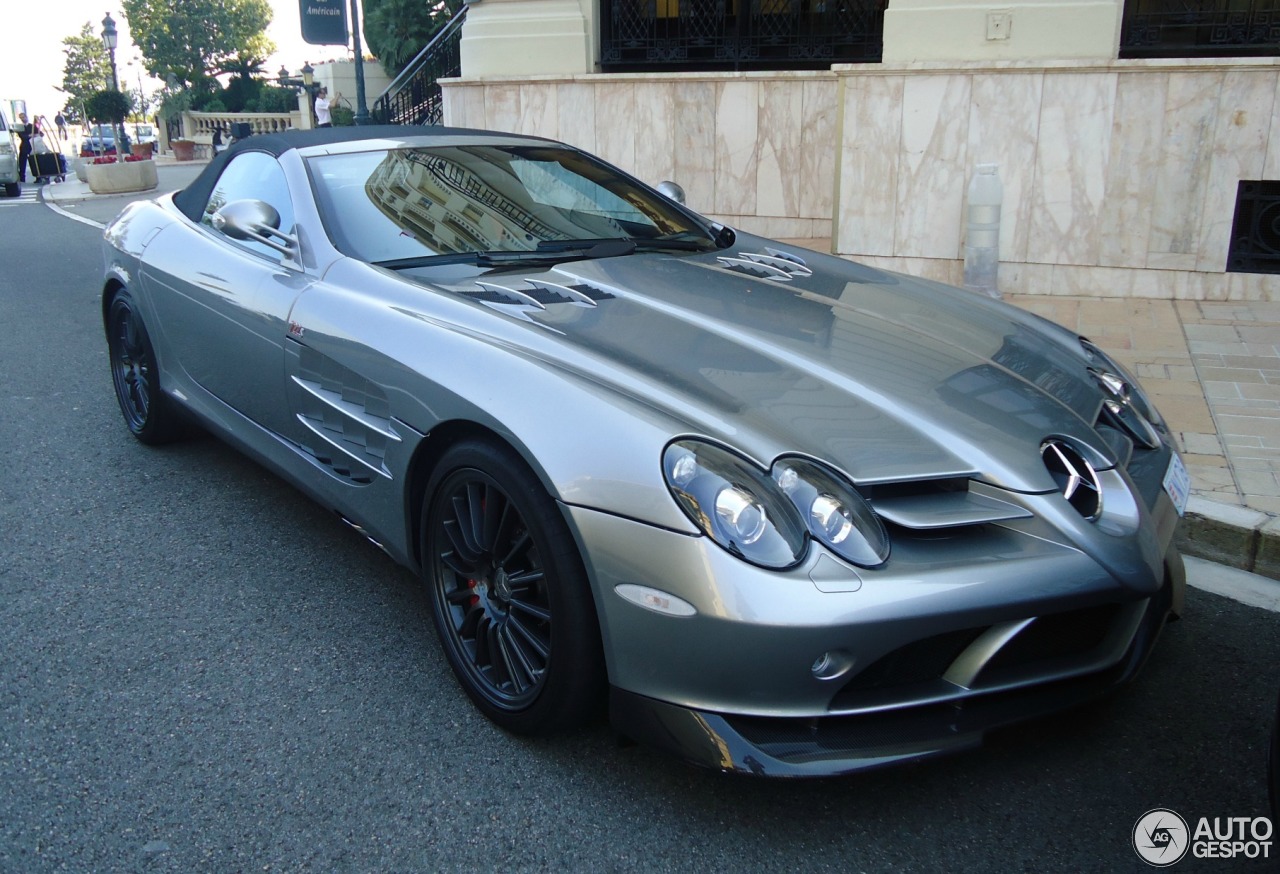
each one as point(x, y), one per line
point(1161, 838)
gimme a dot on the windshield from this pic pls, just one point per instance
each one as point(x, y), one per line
point(408, 204)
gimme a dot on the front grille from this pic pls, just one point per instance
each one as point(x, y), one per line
point(1061, 635)
point(956, 664)
point(917, 662)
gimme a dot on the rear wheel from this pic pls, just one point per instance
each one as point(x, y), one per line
point(12, 189)
point(146, 410)
point(509, 594)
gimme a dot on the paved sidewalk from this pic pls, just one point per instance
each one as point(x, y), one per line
point(1212, 367)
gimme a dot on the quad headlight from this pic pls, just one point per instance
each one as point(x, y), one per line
point(768, 518)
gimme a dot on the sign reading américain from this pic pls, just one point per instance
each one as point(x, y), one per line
point(324, 22)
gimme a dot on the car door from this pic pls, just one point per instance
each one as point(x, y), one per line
point(223, 304)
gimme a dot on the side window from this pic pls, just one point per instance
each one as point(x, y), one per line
point(253, 176)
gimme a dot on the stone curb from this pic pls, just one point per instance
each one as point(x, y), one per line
point(1235, 536)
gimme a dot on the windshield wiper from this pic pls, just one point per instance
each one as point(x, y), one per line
point(480, 259)
point(549, 252)
point(609, 247)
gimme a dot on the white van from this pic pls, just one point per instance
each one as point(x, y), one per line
point(8, 153)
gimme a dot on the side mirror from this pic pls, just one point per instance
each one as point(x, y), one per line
point(254, 220)
point(671, 191)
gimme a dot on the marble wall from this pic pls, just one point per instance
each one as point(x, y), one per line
point(755, 150)
point(1119, 177)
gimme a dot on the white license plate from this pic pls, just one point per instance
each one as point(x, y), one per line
point(1177, 482)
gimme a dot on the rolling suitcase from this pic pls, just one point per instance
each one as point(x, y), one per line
point(47, 167)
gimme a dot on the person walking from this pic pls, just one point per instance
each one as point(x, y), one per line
point(324, 117)
point(26, 130)
point(61, 122)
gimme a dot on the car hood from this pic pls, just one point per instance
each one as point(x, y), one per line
point(886, 377)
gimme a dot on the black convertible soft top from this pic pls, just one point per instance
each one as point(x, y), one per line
point(192, 199)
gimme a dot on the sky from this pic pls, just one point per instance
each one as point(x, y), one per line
point(32, 63)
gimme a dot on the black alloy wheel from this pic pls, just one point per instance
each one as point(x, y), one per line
point(509, 596)
point(134, 374)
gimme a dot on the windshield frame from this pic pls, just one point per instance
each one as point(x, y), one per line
point(534, 210)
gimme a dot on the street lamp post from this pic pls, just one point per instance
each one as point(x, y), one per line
point(109, 43)
point(306, 83)
point(362, 111)
point(142, 103)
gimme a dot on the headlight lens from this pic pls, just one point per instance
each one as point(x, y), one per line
point(766, 520)
point(839, 517)
point(734, 504)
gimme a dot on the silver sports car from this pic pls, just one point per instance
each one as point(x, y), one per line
point(787, 514)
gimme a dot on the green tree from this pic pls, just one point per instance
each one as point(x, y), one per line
point(108, 107)
point(86, 71)
point(192, 41)
point(396, 30)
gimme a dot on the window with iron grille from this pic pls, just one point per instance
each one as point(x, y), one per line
point(652, 35)
point(1255, 233)
point(1200, 28)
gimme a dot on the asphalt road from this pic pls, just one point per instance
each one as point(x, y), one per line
point(201, 670)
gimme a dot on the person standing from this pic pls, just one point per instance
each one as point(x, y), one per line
point(25, 131)
point(61, 122)
point(323, 116)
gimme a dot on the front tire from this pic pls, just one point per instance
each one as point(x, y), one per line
point(136, 377)
point(12, 189)
point(509, 595)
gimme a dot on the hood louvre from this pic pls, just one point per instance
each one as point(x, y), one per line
point(771, 264)
point(538, 294)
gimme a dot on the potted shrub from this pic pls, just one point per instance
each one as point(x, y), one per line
point(116, 174)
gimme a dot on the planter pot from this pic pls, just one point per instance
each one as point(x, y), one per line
point(121, 177)
point(142, 150)
point(184, 150)
point(78, 165)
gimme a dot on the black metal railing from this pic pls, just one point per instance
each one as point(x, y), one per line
point(1255, 231)
point(1200, 28)
point(687, 35)
point(415, 96)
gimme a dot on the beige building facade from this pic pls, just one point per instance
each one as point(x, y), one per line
point(1120, 177)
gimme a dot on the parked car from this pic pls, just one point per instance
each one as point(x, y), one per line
point(789, 514)
point(100, 140)
point(144, 133)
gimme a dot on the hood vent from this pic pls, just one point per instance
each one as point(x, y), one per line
point(538, 294)
point(771, 264)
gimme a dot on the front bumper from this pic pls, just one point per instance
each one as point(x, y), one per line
point(953, 639)
point(842, 744)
